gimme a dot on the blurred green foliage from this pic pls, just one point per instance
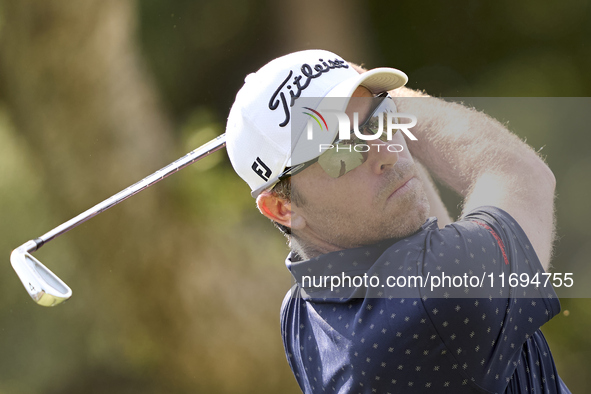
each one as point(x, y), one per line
point(206, 318)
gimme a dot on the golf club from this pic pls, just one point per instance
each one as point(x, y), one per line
point(44, 287)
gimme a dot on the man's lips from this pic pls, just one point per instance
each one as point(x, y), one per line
point(400, 189)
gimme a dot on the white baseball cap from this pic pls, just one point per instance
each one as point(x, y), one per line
point(260, 136)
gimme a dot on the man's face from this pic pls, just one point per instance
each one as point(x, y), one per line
point(382, 198)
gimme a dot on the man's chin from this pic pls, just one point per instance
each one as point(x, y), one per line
point(400, 229)
point(414, 216)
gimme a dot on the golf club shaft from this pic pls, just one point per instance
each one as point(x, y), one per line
point(191, 157)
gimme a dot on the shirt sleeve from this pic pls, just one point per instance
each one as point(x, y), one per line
point(484, 323)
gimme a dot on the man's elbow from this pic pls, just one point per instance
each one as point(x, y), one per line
point(545, 176)
point(534, 173)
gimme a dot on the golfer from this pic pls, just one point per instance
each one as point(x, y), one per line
point(390, 294)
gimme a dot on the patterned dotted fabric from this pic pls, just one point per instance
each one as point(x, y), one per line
point(416, 341)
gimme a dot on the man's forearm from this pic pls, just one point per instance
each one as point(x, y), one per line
point(482, 161)
point(458, 144)
point(486, 164)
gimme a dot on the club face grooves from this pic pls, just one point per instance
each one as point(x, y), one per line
point(44, 287)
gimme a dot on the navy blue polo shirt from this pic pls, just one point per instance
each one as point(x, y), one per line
point(376, 340)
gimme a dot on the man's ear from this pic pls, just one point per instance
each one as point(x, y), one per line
point(279, 210)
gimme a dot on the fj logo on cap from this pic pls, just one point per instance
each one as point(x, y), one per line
point(261, 169)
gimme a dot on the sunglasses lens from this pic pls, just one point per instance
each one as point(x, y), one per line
point(376, 125)
point(343, 157)
point(336, 162)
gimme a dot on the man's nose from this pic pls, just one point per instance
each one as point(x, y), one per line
point(382, 156)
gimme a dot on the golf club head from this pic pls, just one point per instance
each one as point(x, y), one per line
point(44, 287)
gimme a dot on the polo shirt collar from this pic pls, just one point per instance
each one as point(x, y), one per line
point(350, 262)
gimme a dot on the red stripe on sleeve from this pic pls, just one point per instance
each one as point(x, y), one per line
point(499, 240)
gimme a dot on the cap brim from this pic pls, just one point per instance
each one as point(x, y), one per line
point(377, 80)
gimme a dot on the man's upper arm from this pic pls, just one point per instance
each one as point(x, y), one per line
point(524, 189)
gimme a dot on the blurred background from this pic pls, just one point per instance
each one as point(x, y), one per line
point(178, 290)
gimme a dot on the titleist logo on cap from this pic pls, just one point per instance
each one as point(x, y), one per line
point(309, 73)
